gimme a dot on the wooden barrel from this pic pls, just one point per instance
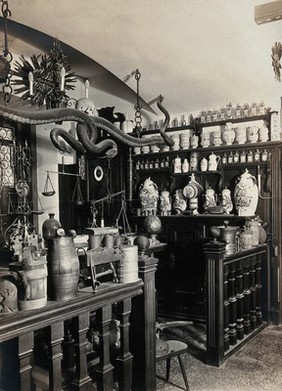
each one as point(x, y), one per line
point(32, 283)
point(63, 268)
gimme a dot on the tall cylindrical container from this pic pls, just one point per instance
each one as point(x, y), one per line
point(63, 268)
point(129, 264)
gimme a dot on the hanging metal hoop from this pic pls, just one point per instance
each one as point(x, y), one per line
point(98, 173)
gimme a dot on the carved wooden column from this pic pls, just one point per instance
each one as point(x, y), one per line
point(105, 368)
point(124, 360)
point(214, 252)
point(55, 336)
point(25, 350)
point(82, 381)
point(143, 328)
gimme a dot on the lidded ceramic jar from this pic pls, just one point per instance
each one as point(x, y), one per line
point(263, 133)
point(226, 200)
point(205, 139)
point(209, 198)
point(176, 140)
point(246, 194)
point(194, 141)
point(165, 203)
point(184, 140)
point(245, 239)
point(204, 164)
point(228, 134)
point(252, 134)
point(216, 138)
point(240, 134)
point(149, 195)
point(179, 202)
point(177, 165)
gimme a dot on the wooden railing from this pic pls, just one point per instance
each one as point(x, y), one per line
point(17, 336)
point(237, 298)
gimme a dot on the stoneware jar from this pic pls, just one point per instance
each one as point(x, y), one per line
point(204, 164)
point(246, 194)
point(240, 135)
point(205, 139)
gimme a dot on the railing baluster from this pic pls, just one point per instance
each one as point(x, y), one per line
point(232, 304)
point(226, 308)
point(247, 296)
point(240, 300)
point(253, 294)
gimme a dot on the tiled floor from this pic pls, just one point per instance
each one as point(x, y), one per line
point(256, 367)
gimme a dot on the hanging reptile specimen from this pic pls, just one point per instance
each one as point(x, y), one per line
point(87, 130)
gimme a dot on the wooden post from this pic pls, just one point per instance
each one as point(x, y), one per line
point(214, 252)
point(143, 328)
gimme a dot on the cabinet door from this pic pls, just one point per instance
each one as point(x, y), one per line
point(181, 272)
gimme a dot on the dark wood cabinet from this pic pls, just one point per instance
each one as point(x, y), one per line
point(181, 275)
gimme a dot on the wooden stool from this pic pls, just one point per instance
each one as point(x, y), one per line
point(175, 349)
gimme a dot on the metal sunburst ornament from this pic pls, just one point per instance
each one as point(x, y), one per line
point(45, 79)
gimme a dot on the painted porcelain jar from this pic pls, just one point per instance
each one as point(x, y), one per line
point(184, 140)
point(252, 134)
point(226, 201)
point(240, 135)
point(246, 194)
point(204, 164)
point(194, 141)
point(179, 202)
point(165, 203)
point(176, 140)
point(205, 139)
point(209, 198)
point(228, 134)
point(216, 138)
point(263, 133)
point(177, 165)
point(149, 195)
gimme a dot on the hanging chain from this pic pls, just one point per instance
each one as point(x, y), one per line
point(7, 89)
point(138, 107)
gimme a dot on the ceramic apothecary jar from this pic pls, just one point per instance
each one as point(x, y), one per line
point(228, 134)
point(246, 194)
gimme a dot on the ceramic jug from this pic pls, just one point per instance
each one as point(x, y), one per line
point(246, 194)
point(213, 162)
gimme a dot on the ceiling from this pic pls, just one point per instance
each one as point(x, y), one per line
point(198, 54)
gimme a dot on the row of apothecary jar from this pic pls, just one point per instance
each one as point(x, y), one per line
point(209, 163)
point(216, 138)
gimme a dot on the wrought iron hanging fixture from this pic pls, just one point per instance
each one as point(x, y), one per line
point(138, 116)
point(45, 79)
point(6, 58)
